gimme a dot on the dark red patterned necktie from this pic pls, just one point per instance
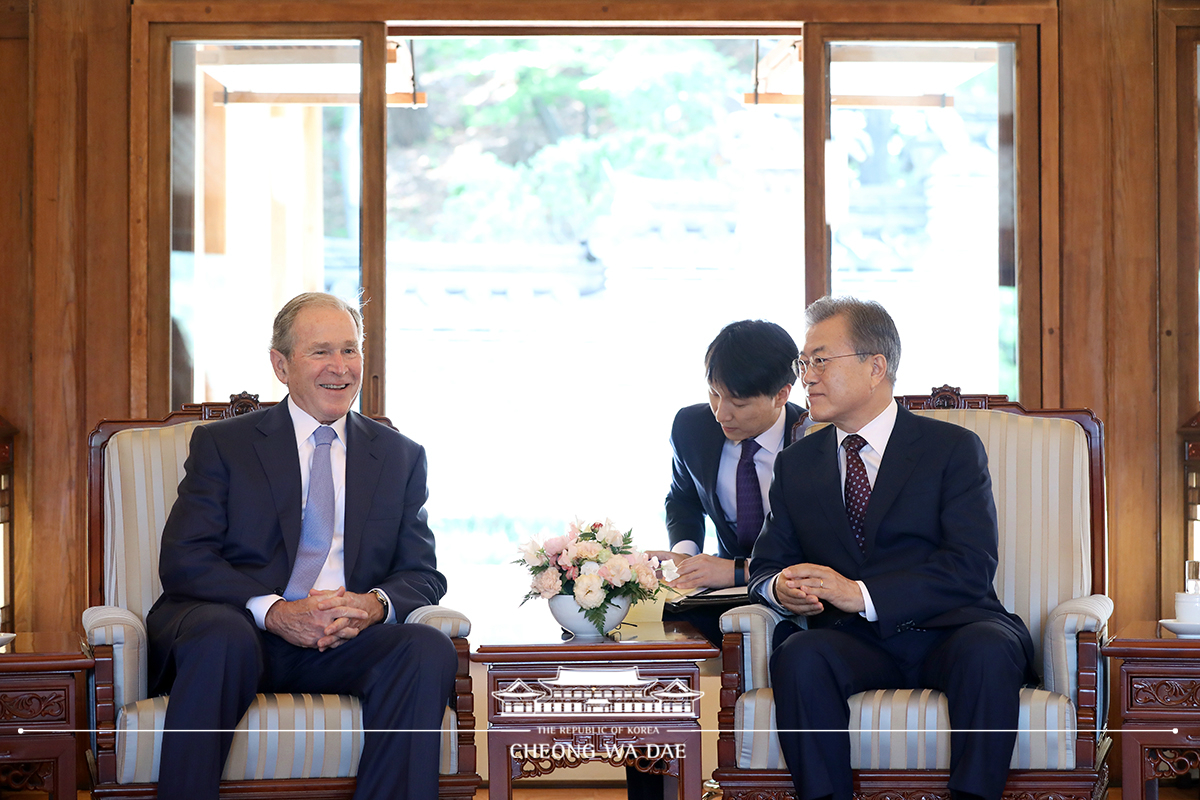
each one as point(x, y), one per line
point(749, 497)
point(858, 488)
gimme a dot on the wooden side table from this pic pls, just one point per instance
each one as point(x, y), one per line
point(630, 700)
point(1160, 701)
point(41, 697)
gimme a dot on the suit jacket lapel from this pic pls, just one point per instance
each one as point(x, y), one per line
point(827, 487)
point(363, 468)
point(281, 463)
point(901, 456)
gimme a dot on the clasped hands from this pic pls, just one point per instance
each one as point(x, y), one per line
point(324, 619)
point(804, 589)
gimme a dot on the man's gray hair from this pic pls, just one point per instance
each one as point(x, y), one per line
point(282, 335)
point(871, 328)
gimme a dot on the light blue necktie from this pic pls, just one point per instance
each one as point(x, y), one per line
point(316, 532)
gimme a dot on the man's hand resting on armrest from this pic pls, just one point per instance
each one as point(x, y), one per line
point(324, 619)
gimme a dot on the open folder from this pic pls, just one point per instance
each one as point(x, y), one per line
point(728, 597)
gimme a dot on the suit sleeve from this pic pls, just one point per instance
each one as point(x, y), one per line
point(685, 511)
point(412, 579)
point(778, 546)
point(958, 573)
point(192, 563)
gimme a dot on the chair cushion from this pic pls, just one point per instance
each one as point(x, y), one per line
point(910, 729)
point(281, 736)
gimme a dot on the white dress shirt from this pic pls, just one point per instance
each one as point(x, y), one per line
point(770, 441)
point(877, 432)
point(333, 573)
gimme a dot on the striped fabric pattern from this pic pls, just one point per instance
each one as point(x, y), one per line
point(281, 736)
point(142, 470)
point(127, 635)
point(910, 729)
point(757, 626)
point(446, 620)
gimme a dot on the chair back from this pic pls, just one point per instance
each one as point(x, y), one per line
point(1048, 482)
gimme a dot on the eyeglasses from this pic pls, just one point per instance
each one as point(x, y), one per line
point(816, 365)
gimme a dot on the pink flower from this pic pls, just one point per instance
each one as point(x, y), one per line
point(554, 545)
point(547, 583)
point(616, 571)
point(645, 577)
point(589, 591)
point(571, 572)
point(587, 550)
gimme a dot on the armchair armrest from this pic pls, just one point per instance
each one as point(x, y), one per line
point(756, 624)
point(456, 625)
point(125, 633)
point(1060, 663)
point(450, 622)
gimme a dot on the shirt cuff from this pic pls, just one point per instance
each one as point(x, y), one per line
point(766, 590)
point(259, 606)
point(391, 614)
point(687, 547)
point(869, 611)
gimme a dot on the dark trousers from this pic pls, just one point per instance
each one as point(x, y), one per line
point(402, 673)
point(980, 667)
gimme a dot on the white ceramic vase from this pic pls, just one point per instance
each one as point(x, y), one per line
point(568, 614)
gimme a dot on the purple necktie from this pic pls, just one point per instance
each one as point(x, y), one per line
point(858, 488)
point(316, 531)
point(749, 497)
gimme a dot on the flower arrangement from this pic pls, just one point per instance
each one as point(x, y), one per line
point(595, 562)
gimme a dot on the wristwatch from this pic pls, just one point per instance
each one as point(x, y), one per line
point(383, 600)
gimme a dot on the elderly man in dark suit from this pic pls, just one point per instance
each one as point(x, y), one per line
point(295, 551)
point(882, 545)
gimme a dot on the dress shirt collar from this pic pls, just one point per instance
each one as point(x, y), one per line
point(305, 425)
point(877, 431)
point(771, 439)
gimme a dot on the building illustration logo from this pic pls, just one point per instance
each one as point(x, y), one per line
point(607, 691)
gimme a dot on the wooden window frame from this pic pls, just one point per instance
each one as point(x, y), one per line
point(1032, 25)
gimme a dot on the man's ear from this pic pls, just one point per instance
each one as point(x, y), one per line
point(782, 395)
point(279, 363)
point(878, 368)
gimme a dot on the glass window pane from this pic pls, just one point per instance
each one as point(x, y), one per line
point(570, 223)
point(266, 169)
point(920, 203)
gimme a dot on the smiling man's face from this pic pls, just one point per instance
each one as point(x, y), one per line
point(324, 372)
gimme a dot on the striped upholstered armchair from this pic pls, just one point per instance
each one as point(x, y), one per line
point(1047, 470)
point(297, 745)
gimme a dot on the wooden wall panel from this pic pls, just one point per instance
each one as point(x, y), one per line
point(16, 396)
point(78, 67)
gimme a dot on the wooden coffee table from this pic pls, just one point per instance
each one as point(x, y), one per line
point(1160, 701)
point(630, 700)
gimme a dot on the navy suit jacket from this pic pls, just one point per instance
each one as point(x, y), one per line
point(930, 528)
point(697, 440)
point(235, 527)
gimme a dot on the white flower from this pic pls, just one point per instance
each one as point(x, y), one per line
point(610, 535)
point(531, 553)
point(589, 568)
point(547, 583)
point(669, 571)
point(589, 591)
